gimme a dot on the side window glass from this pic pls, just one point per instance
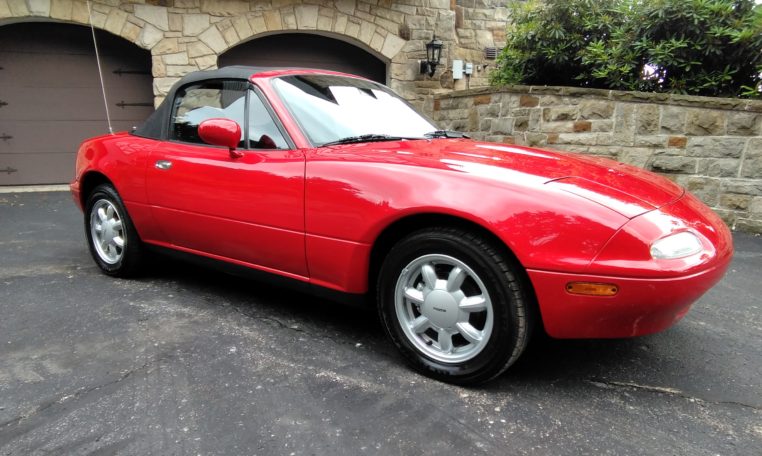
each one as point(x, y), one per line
point(208, 100)
point(263, 132)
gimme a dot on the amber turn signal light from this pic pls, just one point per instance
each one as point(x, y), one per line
point(592, 289)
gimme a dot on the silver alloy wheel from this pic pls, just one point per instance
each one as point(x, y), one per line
point(444, 308)
point(107, 231)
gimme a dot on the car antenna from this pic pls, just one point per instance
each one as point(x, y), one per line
point(100, 70)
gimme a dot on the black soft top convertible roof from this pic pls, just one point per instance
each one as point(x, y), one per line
point(157, 123)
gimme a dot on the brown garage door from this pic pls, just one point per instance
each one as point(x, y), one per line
point(306, 51)
point(50, 96)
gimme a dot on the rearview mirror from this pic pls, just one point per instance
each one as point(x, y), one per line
point(221, 132)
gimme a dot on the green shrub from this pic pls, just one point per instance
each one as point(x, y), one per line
point(702, 47)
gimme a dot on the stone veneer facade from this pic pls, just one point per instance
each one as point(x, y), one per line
point(188, 35)
point(712, 146)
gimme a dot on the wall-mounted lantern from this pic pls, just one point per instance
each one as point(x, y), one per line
point(433, 54)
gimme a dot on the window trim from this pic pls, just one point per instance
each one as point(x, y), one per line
point(249, 90)
point(253, 89)
point(173, 108)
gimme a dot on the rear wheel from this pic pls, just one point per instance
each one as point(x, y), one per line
point(454, 305)
point(114, 244)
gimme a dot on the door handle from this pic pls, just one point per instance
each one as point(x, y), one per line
point(163, 164)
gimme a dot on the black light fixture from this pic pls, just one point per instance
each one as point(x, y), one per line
point(433, 54)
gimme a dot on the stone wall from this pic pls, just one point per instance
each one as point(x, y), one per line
point(712, 146)
point(188, 35)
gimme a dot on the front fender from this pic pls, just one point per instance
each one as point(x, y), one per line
point(349, 204)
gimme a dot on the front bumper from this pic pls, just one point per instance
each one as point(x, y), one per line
point(653, 294)
point(642, 305)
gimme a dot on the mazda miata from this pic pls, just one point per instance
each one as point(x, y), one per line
point(335, 183)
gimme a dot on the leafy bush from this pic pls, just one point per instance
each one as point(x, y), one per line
point(702, 47)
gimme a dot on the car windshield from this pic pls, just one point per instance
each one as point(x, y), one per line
point(336, 109)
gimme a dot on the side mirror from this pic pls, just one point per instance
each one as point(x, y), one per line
point(221, 132)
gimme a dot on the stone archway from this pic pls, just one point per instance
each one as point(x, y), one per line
point(142, 27)
point(306, 50)
point(376, 39)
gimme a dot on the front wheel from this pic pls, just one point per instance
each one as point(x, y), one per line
point(454, 305)
point(114, 244)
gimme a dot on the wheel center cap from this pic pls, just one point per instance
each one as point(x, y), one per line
point(440, 308)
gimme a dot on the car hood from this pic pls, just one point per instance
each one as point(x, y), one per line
point(626, 189)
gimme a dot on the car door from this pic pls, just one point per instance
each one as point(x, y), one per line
point(247, 207)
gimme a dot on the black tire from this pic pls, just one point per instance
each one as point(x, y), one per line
point(115, 260)
point(508, 300)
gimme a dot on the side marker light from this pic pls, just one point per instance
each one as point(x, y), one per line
point(592, 289)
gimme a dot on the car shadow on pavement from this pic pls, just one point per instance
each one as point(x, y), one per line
point(256, 298)
point(545, 360)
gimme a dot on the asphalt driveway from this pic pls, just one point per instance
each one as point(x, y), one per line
point(192, 361)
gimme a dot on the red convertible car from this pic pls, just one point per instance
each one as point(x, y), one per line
point(337, 183)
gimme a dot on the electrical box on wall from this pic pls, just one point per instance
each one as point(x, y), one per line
point(457, 69)
point(469, 69)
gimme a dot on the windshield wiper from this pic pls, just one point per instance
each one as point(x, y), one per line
point(363, 138)
point(446, 134)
